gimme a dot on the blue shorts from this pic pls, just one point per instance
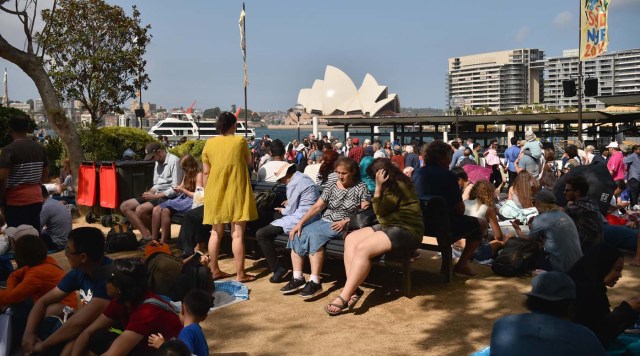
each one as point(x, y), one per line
point(484, 252)
point(313, 237)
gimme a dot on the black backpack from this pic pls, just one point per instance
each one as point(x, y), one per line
point(517, 257)
point(120, 238)
point(265, 199)
point(192, 276)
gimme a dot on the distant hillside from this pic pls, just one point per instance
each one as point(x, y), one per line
point(421, 111)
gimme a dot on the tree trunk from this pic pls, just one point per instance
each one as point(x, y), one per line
point(32, 66)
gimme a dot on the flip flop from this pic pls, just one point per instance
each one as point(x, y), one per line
point(247, 278)
point(221, 276)
point(341, 308)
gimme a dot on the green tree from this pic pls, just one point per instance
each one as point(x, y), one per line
point(5, 115)
point(94, 54)
point(211, 113)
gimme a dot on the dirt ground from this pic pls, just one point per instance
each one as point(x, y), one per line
point(438, 319)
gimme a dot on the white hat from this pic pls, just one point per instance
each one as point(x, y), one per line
point(367, 141)
point(282, 171)
point(379, 154)
point(23, 230)
point(300, 147)
point(613, 145)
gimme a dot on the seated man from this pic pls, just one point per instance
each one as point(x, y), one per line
point(55, 220)
point(583, 211)
point(85, 253)
point(435, 179)
point(547, 330)
point(557, 232)
point(267, 171)
point(166, 175)
point(302, 193)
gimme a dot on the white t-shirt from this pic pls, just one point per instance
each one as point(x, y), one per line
point(267, 171)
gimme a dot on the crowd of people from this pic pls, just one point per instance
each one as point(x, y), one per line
point(327, 184)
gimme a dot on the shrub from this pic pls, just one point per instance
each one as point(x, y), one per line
point(55, 150)
point(108, 143)
point(192, 147)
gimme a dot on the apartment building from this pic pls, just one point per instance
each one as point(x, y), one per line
point(501, 81)
point(617, 73)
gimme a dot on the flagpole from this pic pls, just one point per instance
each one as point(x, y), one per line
point(580, 70)
point(246, 120)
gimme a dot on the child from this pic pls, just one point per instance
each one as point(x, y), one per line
point(533, 147)
point(195, 308)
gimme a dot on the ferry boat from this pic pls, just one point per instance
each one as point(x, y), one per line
point(184, 124)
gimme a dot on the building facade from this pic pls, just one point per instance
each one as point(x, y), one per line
point(497, 81)
point(617, 73)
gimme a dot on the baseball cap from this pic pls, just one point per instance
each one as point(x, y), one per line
point(613, 145)
point(128, 153)
point(16, 233)
point(545, 196)
point(282, 171)
point(355, 140)
point(553, 286)
point(150, 150)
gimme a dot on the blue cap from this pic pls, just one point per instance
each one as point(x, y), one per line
point(128, 153)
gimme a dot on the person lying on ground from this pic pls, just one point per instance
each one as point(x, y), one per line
point(85, 254)
point(556, 231)
point(339, 201)
point(435, 179)
point(399, 230)
point(36, 276)
point(600, 268)
point(302, 193)
point(547, 329)
point(161, 215)
point(140, 312)
point(195, 309)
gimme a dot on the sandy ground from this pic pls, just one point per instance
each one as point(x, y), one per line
point(439, 319)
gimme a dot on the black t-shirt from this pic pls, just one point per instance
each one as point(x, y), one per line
point(432, 180)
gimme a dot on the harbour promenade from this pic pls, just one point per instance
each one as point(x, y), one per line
point(440, 319)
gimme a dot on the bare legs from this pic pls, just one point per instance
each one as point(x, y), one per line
point(139, 215)
point(237, 245)
point(462, 267)
point(161, 224)
point(359, 248)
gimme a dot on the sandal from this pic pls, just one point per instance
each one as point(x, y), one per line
point(341, 308)
point(355, 298)
point(247, 278)
point(222, 275)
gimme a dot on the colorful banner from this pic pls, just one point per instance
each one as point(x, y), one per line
point(594, 34)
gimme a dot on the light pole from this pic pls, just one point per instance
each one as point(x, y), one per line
point(456, 103)
point(140, 110)
point(298, 110)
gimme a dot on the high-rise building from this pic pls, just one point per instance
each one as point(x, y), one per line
point(617, 73)
point(501, 81)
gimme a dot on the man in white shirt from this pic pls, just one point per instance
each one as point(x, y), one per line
point(267, 172)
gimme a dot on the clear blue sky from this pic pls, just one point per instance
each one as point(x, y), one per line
point(195, 52)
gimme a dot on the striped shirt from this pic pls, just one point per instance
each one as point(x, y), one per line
point(26, 161)
point(342, 203)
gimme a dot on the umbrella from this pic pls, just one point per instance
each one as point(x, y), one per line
point(477, 173)
point(601, 185)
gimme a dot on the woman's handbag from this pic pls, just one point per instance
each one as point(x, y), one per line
point(363, 218)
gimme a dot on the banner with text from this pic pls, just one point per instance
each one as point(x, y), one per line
point(594, 34)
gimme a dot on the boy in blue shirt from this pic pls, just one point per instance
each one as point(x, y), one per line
point(195, 309)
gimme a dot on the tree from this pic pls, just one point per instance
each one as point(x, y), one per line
point(94, 54)
point(5, 115)
point(29, 59)
point(211, 113)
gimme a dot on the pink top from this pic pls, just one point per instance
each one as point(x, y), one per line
point(491, 157)
point(616, 165)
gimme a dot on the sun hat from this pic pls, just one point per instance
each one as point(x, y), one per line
point(553, 286)
point(613, 145)
point(16, 233)
point(355, 140)
point(379, 154)
point(529, 135)
point(282, 171)
point(150, 150)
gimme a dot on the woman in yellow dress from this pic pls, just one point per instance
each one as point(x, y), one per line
point(228, 196)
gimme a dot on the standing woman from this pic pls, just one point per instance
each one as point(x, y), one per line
point(228, 196)
point(400, 230)
point(492, 160)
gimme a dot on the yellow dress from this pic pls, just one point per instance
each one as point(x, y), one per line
point(228, 196)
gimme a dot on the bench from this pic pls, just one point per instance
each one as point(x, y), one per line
point(435, 219)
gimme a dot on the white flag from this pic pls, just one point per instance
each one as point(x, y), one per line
point(243, 45)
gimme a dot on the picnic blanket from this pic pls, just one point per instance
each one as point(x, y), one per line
point(226, 293)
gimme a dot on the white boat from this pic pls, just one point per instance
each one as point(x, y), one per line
point(184, 124)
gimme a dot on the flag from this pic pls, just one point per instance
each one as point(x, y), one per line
point(5, 96)
point(243, 45)
point(594, 32)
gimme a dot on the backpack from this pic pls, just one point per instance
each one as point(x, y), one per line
point(516, 258)
point(192, 276)
point(119, 238)
point(265, 199)
point(163, 271)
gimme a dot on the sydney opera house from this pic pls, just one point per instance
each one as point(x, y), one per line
point(337, 95)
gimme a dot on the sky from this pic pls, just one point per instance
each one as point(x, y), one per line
point(195, 54)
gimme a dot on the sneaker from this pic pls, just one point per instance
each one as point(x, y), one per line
point(294, 285)
point(311, 289)
point(278, 275)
